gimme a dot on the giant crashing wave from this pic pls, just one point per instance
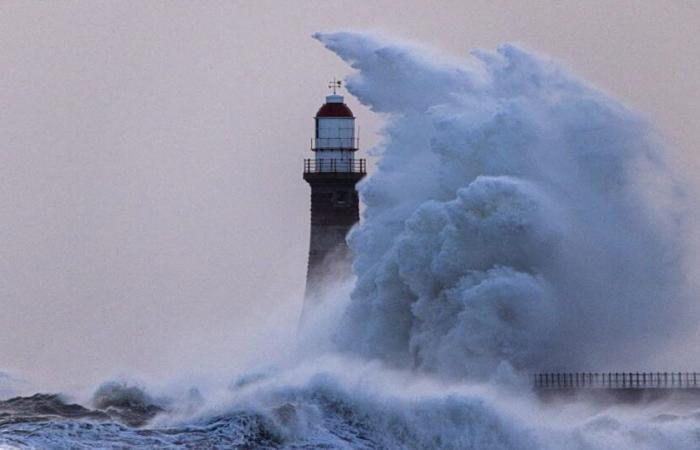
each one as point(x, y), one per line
point(518, 220)
point(517, 215)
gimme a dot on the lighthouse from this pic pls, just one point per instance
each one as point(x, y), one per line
point(332, 174)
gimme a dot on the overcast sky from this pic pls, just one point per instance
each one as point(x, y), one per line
point(153, 214)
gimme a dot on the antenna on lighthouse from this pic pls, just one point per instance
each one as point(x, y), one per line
point(335, 85)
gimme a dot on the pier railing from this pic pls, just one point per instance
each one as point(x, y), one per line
point(617, 380)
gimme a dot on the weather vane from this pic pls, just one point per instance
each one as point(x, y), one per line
point(335, 85)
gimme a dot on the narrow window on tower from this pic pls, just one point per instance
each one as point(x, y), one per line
point(341, 198)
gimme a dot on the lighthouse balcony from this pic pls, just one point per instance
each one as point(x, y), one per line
point(335, 166)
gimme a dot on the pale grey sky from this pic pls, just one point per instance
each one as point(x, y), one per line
point(153, 214)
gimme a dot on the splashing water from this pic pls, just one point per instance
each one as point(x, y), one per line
point(518, 220)
point(510, 218)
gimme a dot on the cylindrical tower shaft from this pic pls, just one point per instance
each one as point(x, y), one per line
point(334, 211)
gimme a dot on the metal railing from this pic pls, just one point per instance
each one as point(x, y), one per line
point(335, 166)
point(341, 143)
point(617, 380)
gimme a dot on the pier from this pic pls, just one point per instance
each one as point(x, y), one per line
point(617, 380)
point(626, 387)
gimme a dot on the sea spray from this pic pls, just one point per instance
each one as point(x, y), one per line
point(510, 218)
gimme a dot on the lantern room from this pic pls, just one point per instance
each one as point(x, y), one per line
point(334, 142)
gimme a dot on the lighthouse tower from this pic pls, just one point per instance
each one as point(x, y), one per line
point(332, 174)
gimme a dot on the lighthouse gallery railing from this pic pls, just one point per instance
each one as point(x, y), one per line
point(335, 165)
